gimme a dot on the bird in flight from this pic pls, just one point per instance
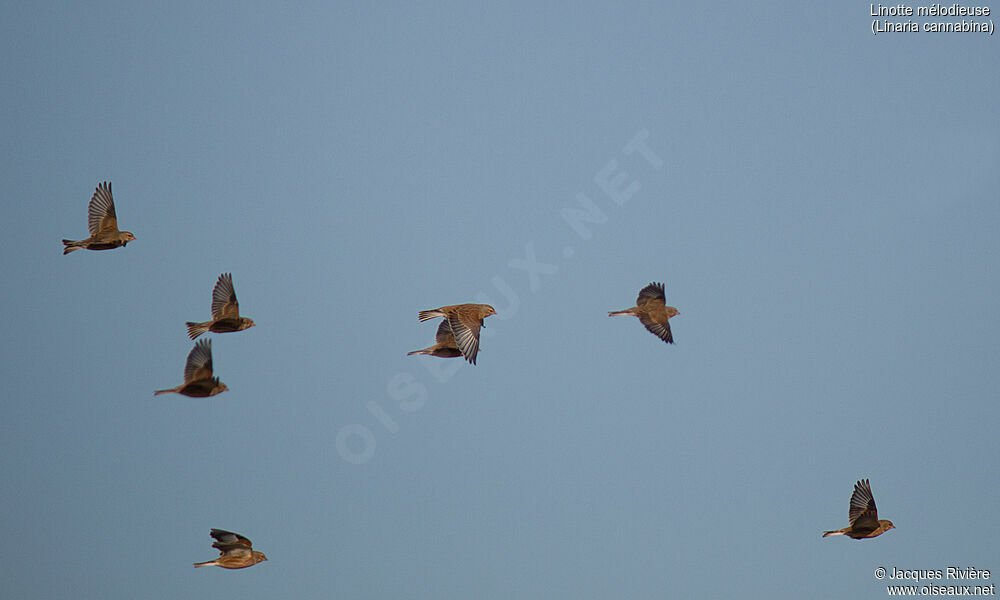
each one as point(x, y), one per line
point(464, 321)
point(198, 379)
point(103, 224)
point(235, 551)
point(653, 312)
point(225, 311)
point(863, 516)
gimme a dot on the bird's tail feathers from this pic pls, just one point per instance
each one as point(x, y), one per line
point(70, 246)
point(204, 564)
point(834, 532)
point(424, 351)
point(158, 392)
point(429, 314)
point(618, 313)
point(196, 329)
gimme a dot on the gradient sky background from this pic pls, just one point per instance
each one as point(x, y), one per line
point(825, 217)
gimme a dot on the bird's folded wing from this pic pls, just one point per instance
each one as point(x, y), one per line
point(231, 543)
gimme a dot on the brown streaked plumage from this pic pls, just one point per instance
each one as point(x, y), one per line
point(235, 551)
point(465, 321)
point(198, 379)
point(225, 311)
point(444, 343)
point(653, 312)
point(103, 224)
point(863, 516)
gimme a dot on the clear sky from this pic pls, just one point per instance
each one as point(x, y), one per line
point(821, 204)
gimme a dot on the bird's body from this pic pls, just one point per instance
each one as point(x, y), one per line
point(224, 325)
point(235, 551)
point(444, 344)
point(201, 388)
point(465, 320)
point(98, 242)
point(860, 533)
point(863, 516)
point(652, 310)
point(103, 224)
point(198, 379)
point(225, 311)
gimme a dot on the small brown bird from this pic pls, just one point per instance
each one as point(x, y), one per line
point(444, 343)
point(225, 311)
point(465, 321)
point(863, 515)
point(235, 551)
point(653, 312)
point(198, 380)
point(103, 224)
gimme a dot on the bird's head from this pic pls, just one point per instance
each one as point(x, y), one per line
point(887, 525)
point(219, 387)
point(672, 312)
point(258, 557)
point(127, 237)
point(248, 323)
point(488, 310)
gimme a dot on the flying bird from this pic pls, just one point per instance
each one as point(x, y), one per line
point(464, 321)
point(225, 311)
point(444, 343)
point(235, 551)
point(653, 312)
point(863, 515)
point(103, 224)
point(198, 380)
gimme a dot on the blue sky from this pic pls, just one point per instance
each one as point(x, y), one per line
point(821, 204)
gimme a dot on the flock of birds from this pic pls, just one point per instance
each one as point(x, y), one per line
point(457, 335)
